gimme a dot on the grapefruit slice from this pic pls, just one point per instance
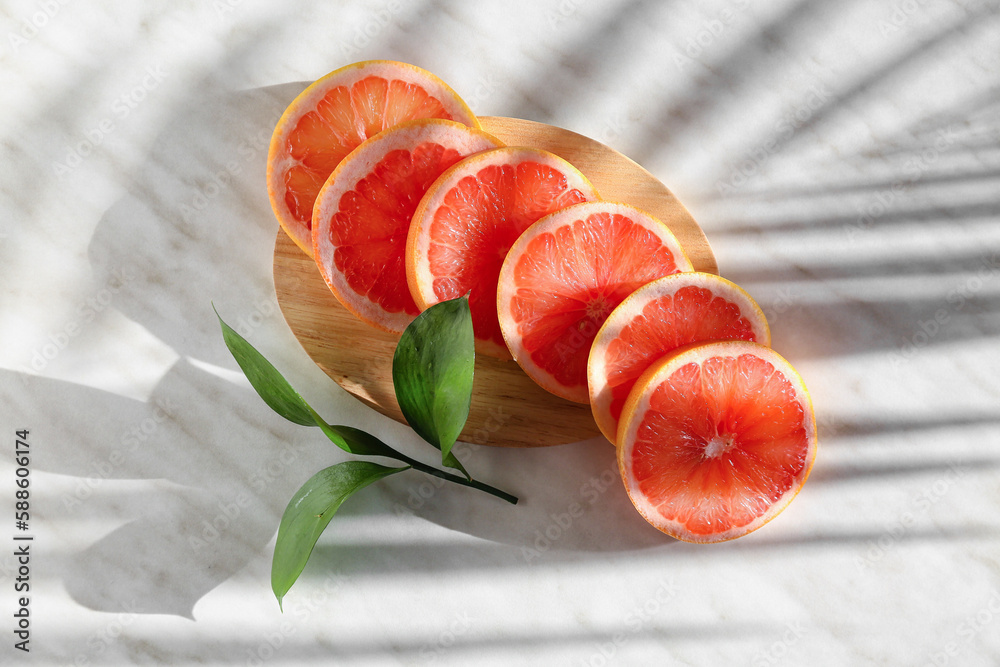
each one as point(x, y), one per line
point(332, 117)
point(564, 276)
point(657, 319)
point(471, 217)
point(715, 440)
point(363, 213)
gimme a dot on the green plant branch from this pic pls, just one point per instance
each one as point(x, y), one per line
point(430, 470)
point(432, 377)
point(336, 435)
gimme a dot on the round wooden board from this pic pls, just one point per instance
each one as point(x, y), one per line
point(508, 408)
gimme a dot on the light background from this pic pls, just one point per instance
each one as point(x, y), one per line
point(844, 160)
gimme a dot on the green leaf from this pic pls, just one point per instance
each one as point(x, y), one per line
point(358, 442)
point(432, 374)
point(283, 399)
point(451, 461)
point(266, 379)
point(309, 512)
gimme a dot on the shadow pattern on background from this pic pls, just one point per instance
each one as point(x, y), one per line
point(464, 646)
point(217, 217)
point(563, 82)
point(893, 67)
point(880, 425)
point(708, 93)
point(202, 209)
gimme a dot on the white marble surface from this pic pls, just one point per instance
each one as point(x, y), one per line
point(844, 159)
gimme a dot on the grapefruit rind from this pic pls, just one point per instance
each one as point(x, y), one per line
point(507, 287)
point(418, 243)
point(639, 402)
point(345, 178)
point(279, 159)
point(632, 307)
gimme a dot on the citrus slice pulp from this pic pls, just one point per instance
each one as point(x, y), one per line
point(471, 217)
point(333, 116)
point(564, 276)
point(362, 215)
point(656, 319)
point(715, 440)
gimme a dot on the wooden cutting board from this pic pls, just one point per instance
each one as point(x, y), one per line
point(508, 408)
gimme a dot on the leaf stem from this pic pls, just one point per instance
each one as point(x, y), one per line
point(430, 470)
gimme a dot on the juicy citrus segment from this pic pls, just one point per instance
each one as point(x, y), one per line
point(715, 440)
point(470, 218)
point(657, 319)
point(564, 276)
point(332, 117)
point(362, 214)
